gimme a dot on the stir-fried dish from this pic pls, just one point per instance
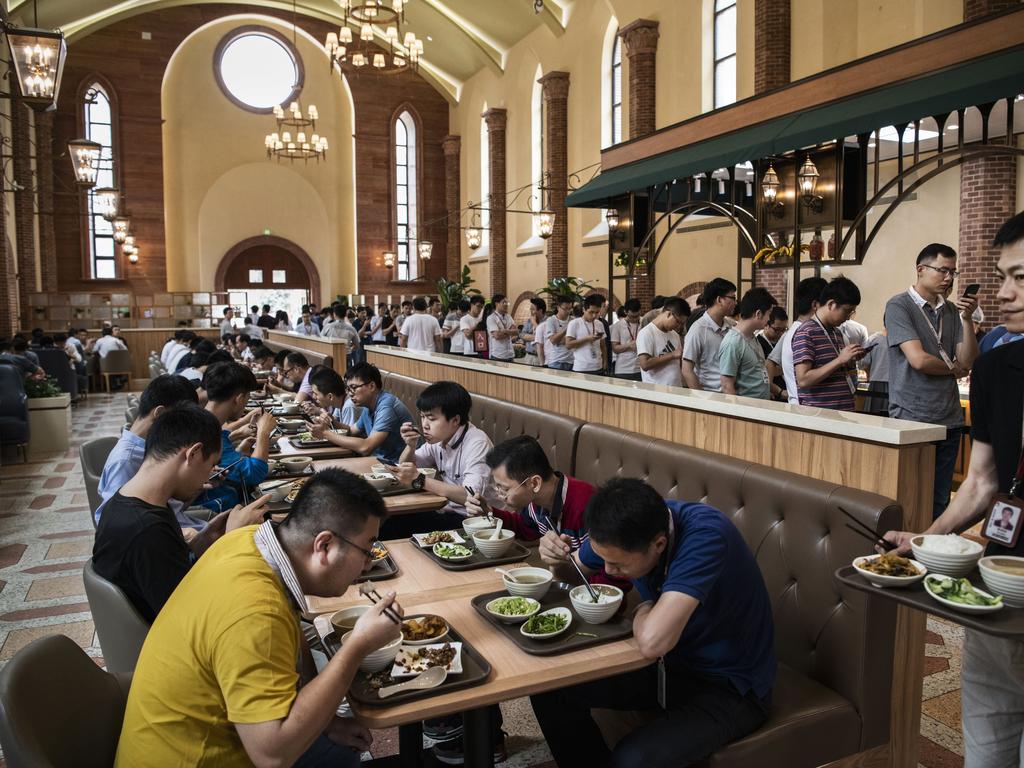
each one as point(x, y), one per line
point(889, 564)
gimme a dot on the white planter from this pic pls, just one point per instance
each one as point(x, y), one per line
point(49, 424)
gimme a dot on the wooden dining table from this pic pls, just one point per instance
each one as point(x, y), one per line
point(398, 504)
point(328, 452)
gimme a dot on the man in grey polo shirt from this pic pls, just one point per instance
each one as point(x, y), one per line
point(932, 343)
point(704, 338)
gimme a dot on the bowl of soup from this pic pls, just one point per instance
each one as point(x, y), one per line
point(1004, 575)
point(609, 600)
point(528, 582)
point(345, 621)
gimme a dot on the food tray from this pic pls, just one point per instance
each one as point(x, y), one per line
point(298, 445)
point(475, 670)
point(1008, 622)
point(280, 474)
point(382, 570)
point(516, 553)
point(617, 628)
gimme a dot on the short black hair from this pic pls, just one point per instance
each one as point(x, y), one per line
point(46, 341)
point(756, 300)
point(477, 299)
point(328, 381)
point(181, 426)
point(280, 355)
point(228, 338)
point(842, 291)
point(332, 500)
point(204, 345)
point(539, 304)
point(266, 308)
point(223, 381)
point(594, 300)
point(497, 298)
point(933, 251)
point(677, 306)
point(1011, 231)
point(419, 304)
point(632, 305)
point(451, 398)
point(297, 358)
point(657, 302)
point(199, 359)
point(808, 291)
point(464, 305)
point(366, 373)
point(217, 356)
point(407, 303)
point(626, 513)
point(243, 337)
point(19, 344)
point(716, 289)
point(778, 313)
point(106, 331)
point(263, 353)
point(226, 310)
point(522, 457)
point(167, 390)
point(564, 299)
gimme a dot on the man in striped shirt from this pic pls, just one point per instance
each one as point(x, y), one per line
point(825, 366)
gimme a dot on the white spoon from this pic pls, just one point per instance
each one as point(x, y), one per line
point(497, 529)
point(432, 678)
point(508, 574)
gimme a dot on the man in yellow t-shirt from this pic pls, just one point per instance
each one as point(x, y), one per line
point(216, 683)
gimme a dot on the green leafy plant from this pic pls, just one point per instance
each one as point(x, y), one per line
point(450, 292)
point(47, 387)
point(566, 286)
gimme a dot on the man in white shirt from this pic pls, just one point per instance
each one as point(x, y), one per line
point(305, 324)
point(107, 343)
point(659, 346)
point(502, 329)
point(704, 339)
point(253, 316)
point(468, 324)
point(585, 337)
point(451, 331)
point(169, 346)
point(420, 331)
point(781, 359)
point(551, 337)
point(624, 339)
point(226, 326)
point(854, 332)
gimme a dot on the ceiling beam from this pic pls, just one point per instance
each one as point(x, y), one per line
point(493, 53)
point(551, 15)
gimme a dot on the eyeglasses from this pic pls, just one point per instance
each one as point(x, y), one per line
point(776, 328)
point(352, 388)
point(365, 552)
point(731, 297)
point(502, 494)
point(286, 371)
point(944, 271)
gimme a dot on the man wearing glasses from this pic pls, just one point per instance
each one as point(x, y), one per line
point(932, 343)
point(296, 370)
point(704, 339)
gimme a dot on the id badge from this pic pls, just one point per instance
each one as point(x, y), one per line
point(946, 358)
point(1004, 521)
point(662, 693)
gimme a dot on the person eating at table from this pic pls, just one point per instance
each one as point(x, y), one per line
point(217, 681)
point(333, 406)
point(378, 431)
point(705, 616)
point(295, 368)
point(451, 445)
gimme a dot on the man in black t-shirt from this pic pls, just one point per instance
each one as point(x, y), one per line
point(992, 676)
point(139, 545)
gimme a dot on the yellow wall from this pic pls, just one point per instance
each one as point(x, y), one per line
point(220, 189)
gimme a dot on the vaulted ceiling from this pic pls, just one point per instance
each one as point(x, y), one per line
point(461, 36)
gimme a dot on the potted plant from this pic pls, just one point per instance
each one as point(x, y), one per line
point(566, 286)
point(49, 416)
point(450, 292)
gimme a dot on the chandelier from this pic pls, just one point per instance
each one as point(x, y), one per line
point(296, 137)
point(403, 51)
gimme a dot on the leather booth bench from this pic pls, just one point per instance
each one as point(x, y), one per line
point(835, 646)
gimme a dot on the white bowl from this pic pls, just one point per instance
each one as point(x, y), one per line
point(380, 482)
point(291, 425)
point(275, 489)
point(964, 607)
point(591, 612)
point(1009, 585)
point(458, 559)
point(471, 525)
point(945, 563)
point(536, 591)
point(489, 547)
point(561, 611)
point(347, 616)
point(380, 659)
point(430, 640)
point(880, 580)
point(294, 464)
point(534, 608)
point(289, 409)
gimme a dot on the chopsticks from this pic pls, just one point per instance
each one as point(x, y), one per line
point(483, 502)
point(586, 581)
point(866, 532)
point(370, 593)
point(224, 470)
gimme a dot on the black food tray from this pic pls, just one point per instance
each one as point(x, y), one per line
point(618, 627)
point(280, 474)
point(382, 569)
point(299, 446)
point(516, 553)
point(475, 670)
point(1008, 622)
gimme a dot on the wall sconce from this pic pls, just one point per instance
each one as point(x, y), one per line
point(389, 259)
point(426, 249)
point(612, 217)
point(38, 56)
point(106, 201)
point(133, 257)
point(121, 226)
point(545, 223)
point(85, 158)
point(473, 237)
point(807, 178)
point(770, 192)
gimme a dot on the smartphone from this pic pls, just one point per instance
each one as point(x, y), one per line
point(869, 347)
point(972, 290)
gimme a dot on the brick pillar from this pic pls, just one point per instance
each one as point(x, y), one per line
point(8, 277)
point(496, 120)
point(452, 146)
point(24, 206)
point(771, 44)
point(641, 47)
point(555, 91)
point(975, 9)
point(44, 176)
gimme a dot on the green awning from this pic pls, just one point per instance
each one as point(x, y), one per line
point(977, 82)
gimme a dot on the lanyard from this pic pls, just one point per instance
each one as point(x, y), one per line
point(631, 332)
point(940, 311)
point(835, 346)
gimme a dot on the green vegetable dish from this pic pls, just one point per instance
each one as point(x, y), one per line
point(545, 624)
point(452, 550)
point(959, 591)
point(513, 606)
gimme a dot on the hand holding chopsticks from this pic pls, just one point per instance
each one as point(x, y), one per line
point(571, 559)
point(367, 590)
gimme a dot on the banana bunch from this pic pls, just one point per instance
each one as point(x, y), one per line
point(783, 253)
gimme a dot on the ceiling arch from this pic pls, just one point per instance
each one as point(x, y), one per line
point(461, 36)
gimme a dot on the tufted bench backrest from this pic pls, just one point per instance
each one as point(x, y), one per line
point(838, 637)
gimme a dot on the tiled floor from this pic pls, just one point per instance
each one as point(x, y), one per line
point(46, 537)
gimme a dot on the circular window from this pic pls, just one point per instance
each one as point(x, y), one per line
point(258, 69)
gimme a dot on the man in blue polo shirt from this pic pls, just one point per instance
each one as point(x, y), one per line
point(706, 617)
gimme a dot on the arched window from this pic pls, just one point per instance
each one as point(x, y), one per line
point(615, 113)
point(725, 52)
point(405, 197)
point(537, 130)
point(98, 120)
point(485, 185)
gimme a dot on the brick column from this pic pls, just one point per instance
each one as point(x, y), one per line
point(496, 120)
point(44, 176)
point(975, 9)
point(8, 278)
point(555, 91)
point(771, 44)
point(452, 146)
point(641, 46)
point(24, 206)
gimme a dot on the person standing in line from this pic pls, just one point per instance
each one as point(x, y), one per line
point(740, 358)
point(932, 343)
point(404, 314)
point(468, 323)
point(660, 347)
point(538, 315)
point(656, 305)
point(305, 324)
point(780, 361)
point(992, 674)
point(452, 330)
point(769, 339)
point(624, 342)
point(226, 326)
point(253, 316)
point(501, 328)
point(822, 362)
point(551, 337)
point(420, 331)
point(854, 332)
point(585, 337)
point(267, 320)
point(704, 338)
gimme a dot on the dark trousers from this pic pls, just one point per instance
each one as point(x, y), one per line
point(324, 753)
point(702, 716)
point(404, 526)
point(629, 376)
point(945, 461)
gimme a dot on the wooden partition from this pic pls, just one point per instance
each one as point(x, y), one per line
point(142, 341)
point(886, 456)
point(299, 342)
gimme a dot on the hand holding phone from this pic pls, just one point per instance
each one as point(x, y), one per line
point(972, 290)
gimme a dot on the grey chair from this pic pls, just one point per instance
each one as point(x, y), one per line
point(56, 364)
point(155, 369)
point(130, 413)
point(58, 709)
point(118, 362)
point(120, 627)
point(13, 409)
point(93, 455)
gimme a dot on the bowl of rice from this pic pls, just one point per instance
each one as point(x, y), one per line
point(949, 555)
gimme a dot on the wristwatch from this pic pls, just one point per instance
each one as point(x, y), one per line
point(419, 482)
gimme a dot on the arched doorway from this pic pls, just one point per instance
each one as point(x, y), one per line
point(271, 270)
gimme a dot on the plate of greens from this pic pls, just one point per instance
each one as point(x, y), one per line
point(513, 610)
point(548, 624)
point(961, 595)
point(452, 552)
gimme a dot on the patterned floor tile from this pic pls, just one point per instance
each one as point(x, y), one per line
point(60, 586)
